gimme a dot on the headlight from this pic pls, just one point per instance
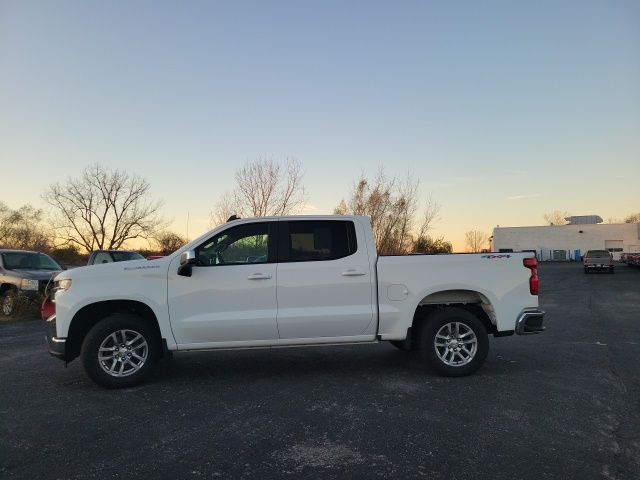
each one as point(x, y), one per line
point(28, 284)
point(62, 285)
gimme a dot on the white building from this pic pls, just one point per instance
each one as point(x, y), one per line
point(568, 242)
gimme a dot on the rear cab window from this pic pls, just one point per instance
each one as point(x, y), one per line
point(316, 240)
point(598, 253)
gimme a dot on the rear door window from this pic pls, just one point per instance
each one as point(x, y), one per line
point(316, 240)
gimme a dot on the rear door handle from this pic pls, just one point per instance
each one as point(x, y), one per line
point(259, 276)
point(352, 272)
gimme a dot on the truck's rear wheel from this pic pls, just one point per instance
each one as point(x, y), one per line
point(120, 351)
point(454, 342)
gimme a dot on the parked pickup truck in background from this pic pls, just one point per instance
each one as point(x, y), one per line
point(598, 260)
point(23, 274)
point(290, 281)
point(110, 256)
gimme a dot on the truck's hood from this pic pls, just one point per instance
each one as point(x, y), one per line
point(130, 267)
point(36, 274)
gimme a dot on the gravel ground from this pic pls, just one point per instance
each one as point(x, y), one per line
point(564, 404)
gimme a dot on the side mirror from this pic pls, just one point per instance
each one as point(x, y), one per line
point(188, 258)
point(187, 261)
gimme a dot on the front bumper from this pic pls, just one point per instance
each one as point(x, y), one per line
point(29, 294)
point(57, 346)
point(530, 321)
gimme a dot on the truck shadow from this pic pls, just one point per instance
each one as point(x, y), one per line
point(354, 363)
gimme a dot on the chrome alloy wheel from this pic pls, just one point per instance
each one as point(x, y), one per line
point(456, 344)
point(7, 304)
point(123, 353)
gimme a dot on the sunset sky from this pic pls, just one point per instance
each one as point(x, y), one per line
point(503, 110)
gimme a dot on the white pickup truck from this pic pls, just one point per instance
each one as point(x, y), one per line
point(290, 281)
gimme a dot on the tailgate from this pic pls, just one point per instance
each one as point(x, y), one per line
point(598, 260)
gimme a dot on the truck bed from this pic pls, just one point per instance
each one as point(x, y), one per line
point(497, 281)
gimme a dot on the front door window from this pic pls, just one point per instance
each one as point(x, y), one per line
point(240, 245)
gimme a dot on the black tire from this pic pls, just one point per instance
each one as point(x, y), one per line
point(102, 332)
point(438, 320)
point(586, 270)
point(8, 302)
point(611, 271)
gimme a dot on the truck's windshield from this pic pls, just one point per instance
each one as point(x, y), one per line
point(28, 261)
point(125, 256)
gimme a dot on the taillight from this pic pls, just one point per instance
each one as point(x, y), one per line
point(47, 309)
point(534, 283)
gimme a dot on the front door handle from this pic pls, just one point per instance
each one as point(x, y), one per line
point(352, 272)
point(259, 276)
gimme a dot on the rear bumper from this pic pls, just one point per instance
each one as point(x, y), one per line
point(530, 321)
point(57, 346)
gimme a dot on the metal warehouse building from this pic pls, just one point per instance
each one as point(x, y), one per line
point(569, 242)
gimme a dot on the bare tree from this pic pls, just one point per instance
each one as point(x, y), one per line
point(341, 209)
point(475, 240)
point(69, 255)
point(430, 216)
point(23, 229)
point(6, 226)
point(103, 209)
point(168, 242)
point(264, 187)
point(392, 205)
point(556, 217)
point(224, 209)
point(633, 218)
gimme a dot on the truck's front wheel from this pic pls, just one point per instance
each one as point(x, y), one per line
point(8, 302)
point(454, 342)
point(120, 351)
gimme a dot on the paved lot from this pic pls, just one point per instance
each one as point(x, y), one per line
point(565, 404)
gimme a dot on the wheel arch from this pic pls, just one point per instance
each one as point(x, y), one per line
point(473, 301)
point(5, 287)
point(90, 315)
